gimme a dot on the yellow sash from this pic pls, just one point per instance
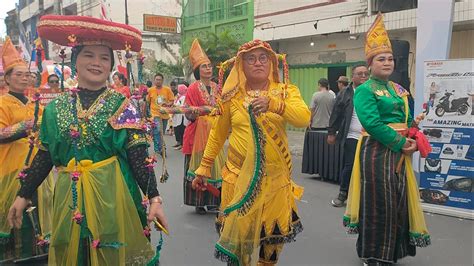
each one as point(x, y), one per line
point(110, 216)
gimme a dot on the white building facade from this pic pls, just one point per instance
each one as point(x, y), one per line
point(161, 46)
point(324, 38)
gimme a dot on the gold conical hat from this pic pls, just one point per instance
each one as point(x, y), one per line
point(377, 40)
point(10, 56)
point(197, 56)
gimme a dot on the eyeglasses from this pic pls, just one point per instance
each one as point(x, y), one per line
point(251, 60)
point(362, 74)
point(53, 81)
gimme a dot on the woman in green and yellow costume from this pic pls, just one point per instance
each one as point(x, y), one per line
point(384, 203)
point(17, 114)
point(95, 138)
point(258, 213)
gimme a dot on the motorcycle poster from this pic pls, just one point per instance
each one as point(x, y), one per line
point(447, 175)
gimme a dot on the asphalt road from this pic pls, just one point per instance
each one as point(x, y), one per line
point(323, 241)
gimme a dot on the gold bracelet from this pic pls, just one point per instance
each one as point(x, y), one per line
point(157, 199)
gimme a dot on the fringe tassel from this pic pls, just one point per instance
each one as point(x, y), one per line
point(420, 240)
point(291, 237)
point(225, 258)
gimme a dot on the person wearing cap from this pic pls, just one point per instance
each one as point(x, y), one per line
point(384, 203)
point(95, 138)
point(17, 114)
point(202, 92)
point(342, 83)
point(258, 212)
point(344, 123)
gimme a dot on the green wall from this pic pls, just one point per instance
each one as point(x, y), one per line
point(201, 16)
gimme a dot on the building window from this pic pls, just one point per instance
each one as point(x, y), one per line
point(385, 6)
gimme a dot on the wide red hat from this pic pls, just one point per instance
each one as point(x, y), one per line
point(81, 30)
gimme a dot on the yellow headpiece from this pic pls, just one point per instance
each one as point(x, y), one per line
point(197, 56)
point(10, 56)
point(377, 40)
point(237, 78)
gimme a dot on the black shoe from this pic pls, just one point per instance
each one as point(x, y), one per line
point(200, 210)
point(340, 201)
point(176, 145)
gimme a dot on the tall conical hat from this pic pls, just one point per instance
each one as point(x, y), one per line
point(10, 56)
point(377, 40)
point(197, 56)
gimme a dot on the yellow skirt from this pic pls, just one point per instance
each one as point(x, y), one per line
point(110, 216)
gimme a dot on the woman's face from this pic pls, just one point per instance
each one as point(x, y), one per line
point(19, 79)
point(382, 66)
point(117, 81)
point(205, 71)
point(256, 65)
point(93, 66)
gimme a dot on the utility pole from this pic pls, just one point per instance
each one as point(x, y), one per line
point(126, 12)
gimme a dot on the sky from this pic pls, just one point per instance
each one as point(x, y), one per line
point(5, 6)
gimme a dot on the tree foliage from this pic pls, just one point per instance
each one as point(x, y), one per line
point(168, 70)
point(218, 47)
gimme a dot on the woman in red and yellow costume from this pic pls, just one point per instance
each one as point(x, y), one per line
point(202, 93)
point(258, 213)
point(17, 114)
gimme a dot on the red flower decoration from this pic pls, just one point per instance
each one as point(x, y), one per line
point(74, 133)
point(75, 176)
point(147, 231)
point(22, 175)
point(96, 243)
point(74, 90)
point(42, 242)
point(77, 217)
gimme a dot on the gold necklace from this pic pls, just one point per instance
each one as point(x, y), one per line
point(252, 95)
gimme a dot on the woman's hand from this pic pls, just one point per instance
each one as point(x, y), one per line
point(261, 105)
point(199, 183)
point(409, 147)
point(156, 211)
point(15, 214)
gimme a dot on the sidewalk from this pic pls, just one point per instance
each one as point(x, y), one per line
point(295, 142)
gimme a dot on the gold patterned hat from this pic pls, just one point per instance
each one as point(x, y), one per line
point(10, 56)
point(377, 40)
point(197, 56)
point(82, 30)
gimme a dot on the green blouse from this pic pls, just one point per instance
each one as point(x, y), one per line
point(103, 134)
point(379, 103)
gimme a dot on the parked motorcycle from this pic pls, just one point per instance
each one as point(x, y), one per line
point(459, 105)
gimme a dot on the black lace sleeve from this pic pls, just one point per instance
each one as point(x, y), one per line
point(36, 174)
point(137, 154)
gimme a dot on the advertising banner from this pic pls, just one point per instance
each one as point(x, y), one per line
point(447, 175)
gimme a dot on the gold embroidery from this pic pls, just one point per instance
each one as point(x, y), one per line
point(89, 25)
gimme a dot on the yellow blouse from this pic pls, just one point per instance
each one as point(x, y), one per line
point(234, 123)
point(13, 113)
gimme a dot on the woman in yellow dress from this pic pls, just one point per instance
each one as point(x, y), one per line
point(258, 213)
point(17, 114)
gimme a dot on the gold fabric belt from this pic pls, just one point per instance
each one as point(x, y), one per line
point(401, 128)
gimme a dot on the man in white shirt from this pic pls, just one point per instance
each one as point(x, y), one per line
point(344, 121)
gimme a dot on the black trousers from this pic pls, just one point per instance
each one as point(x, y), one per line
point(179, 133)
point(350, 146)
